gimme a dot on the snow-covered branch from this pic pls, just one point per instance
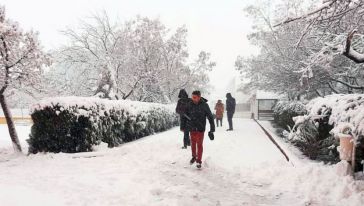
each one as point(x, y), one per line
point(21, 65)
point(138, 59)
point(350, 52)
point(347, 84)
point(317, 11)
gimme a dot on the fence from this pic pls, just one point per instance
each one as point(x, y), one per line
point(20, 116)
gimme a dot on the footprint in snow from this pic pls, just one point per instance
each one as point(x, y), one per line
point(156, 192)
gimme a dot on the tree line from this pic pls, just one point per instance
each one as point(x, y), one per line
point(307, 49)
point(139, 59)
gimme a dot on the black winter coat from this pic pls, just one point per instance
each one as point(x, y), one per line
point(230, 104)
point(182, 102)
point(195, 117)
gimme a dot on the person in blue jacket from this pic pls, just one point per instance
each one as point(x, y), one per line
point(230, 109)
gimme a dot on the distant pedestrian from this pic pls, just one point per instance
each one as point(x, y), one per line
point(230, 109)
point(181, 110)
point(219, 112)
point(195, 122)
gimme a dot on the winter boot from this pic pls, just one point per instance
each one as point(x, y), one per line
point(198, 165)
point(193, 160)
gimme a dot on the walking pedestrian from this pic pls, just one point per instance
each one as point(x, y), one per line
point(219, 108)
point(230, 109)
point(181, 110)
point(195, 122)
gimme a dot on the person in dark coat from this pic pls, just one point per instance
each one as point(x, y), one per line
point(230, 109)
point(181, 110)
point(195, 122)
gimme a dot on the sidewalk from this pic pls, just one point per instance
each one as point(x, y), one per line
point(241, 167)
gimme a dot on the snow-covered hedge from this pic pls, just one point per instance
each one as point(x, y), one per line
point(313, 138)
point(344, 110)
point(284, 111)
point(310, 136)
point(76, 124)
point(334, 113)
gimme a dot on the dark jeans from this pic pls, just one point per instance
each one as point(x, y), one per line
point(230, 119)
point(186, 138)
point(217, 122)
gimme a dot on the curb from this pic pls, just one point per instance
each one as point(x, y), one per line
point(274, 142)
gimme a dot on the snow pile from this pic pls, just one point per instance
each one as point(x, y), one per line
point(317, 184)
point(76, 124)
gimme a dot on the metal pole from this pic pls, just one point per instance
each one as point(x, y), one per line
point(258, 109)
point(353, 158)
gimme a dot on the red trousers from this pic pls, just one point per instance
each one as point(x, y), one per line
point(197, 141)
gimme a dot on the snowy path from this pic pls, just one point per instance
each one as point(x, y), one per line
point(240, 168)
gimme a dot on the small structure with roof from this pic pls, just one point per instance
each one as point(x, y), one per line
point(262, 104)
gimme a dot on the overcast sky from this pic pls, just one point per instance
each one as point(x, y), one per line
point(217, 26)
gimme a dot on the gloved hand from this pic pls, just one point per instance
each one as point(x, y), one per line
point(211, 135)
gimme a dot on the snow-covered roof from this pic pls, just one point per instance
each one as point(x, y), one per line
point(267, 95)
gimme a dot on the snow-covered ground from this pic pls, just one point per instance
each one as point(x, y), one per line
point(240, 168)
point(5, 142)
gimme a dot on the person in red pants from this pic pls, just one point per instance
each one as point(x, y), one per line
point(195, 122)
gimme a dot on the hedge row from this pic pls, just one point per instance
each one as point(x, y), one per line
point(76, 124)
point(339, 111)
point(311, 136)
point(284, 111)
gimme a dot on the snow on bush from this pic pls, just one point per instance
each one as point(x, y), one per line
point(284, 111)
point(76, 124)
point(313, 138)
point(344, 110)
point(338, 113)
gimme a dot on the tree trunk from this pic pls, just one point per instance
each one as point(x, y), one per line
point(107, 79)
point(10, 123)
